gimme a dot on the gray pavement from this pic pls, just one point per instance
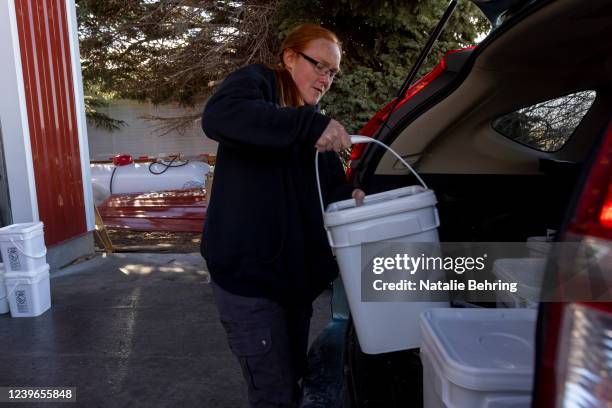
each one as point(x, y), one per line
point(130, 330)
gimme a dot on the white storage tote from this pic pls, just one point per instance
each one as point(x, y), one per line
point(528, 273)
point(29, 293)
point(4, 306)
point(403, 215)
point(478, 358)
point(23, 247)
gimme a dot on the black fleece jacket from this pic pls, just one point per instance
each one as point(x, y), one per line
point(263, 234)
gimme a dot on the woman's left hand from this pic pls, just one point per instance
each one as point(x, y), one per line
point(358, 195)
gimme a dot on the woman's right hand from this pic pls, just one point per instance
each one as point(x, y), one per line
point(334, 137)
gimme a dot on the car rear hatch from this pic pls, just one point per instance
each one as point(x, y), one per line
point(415, 97)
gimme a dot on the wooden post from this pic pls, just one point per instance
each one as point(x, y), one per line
point(101, 233)
point(208, 184)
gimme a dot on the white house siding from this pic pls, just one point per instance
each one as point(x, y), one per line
point(142, 138)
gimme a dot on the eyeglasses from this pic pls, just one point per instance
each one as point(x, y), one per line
point(319, 67)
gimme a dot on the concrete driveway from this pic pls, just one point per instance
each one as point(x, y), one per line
point(130, 330)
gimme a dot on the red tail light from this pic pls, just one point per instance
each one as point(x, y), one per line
point(582, 371)
point(594, 213)
point(575, 364)
point(605, 216)
point(370, 128)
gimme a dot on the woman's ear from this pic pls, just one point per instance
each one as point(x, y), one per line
point(289, 58)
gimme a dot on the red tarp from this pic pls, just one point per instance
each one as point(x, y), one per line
point(177, 210)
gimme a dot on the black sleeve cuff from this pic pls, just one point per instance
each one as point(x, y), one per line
point(318, 123)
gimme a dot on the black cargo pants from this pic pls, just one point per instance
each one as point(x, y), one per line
point(270, 342)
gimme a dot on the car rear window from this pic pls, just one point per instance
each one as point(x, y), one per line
point(546, 126)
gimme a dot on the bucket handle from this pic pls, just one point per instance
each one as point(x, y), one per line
point(356, 139)
point(10, 292)
point(22, 250)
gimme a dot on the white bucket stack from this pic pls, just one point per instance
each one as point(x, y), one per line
point(26, 272)
point(403, 215)
point(4, 306)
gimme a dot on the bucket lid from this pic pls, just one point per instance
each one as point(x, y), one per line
point(539, 244)
point(27, 274)
point(21, 228)
point(537, 239)
point(482, 349)
point(29, 280)
point(378, 205)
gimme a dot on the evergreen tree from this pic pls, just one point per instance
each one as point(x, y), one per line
point(381, 41)
point(178, 50)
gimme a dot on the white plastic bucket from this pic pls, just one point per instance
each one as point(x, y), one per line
point(23, 247)
point(403, 215)
point(29, 294)
point(527, 273)
point(478, 357)
point(4, 306)
point(538, 247)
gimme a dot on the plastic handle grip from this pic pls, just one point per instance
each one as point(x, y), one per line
point(357, 139)
point(9, 292)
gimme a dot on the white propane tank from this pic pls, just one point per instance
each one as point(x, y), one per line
point(140, 177)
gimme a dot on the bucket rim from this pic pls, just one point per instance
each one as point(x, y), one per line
point(41, 270)
point(28, 280)
point(416, 201)
point(24, 228)
point(500, 271)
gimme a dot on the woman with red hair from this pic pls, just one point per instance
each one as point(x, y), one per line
point(264, 241)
